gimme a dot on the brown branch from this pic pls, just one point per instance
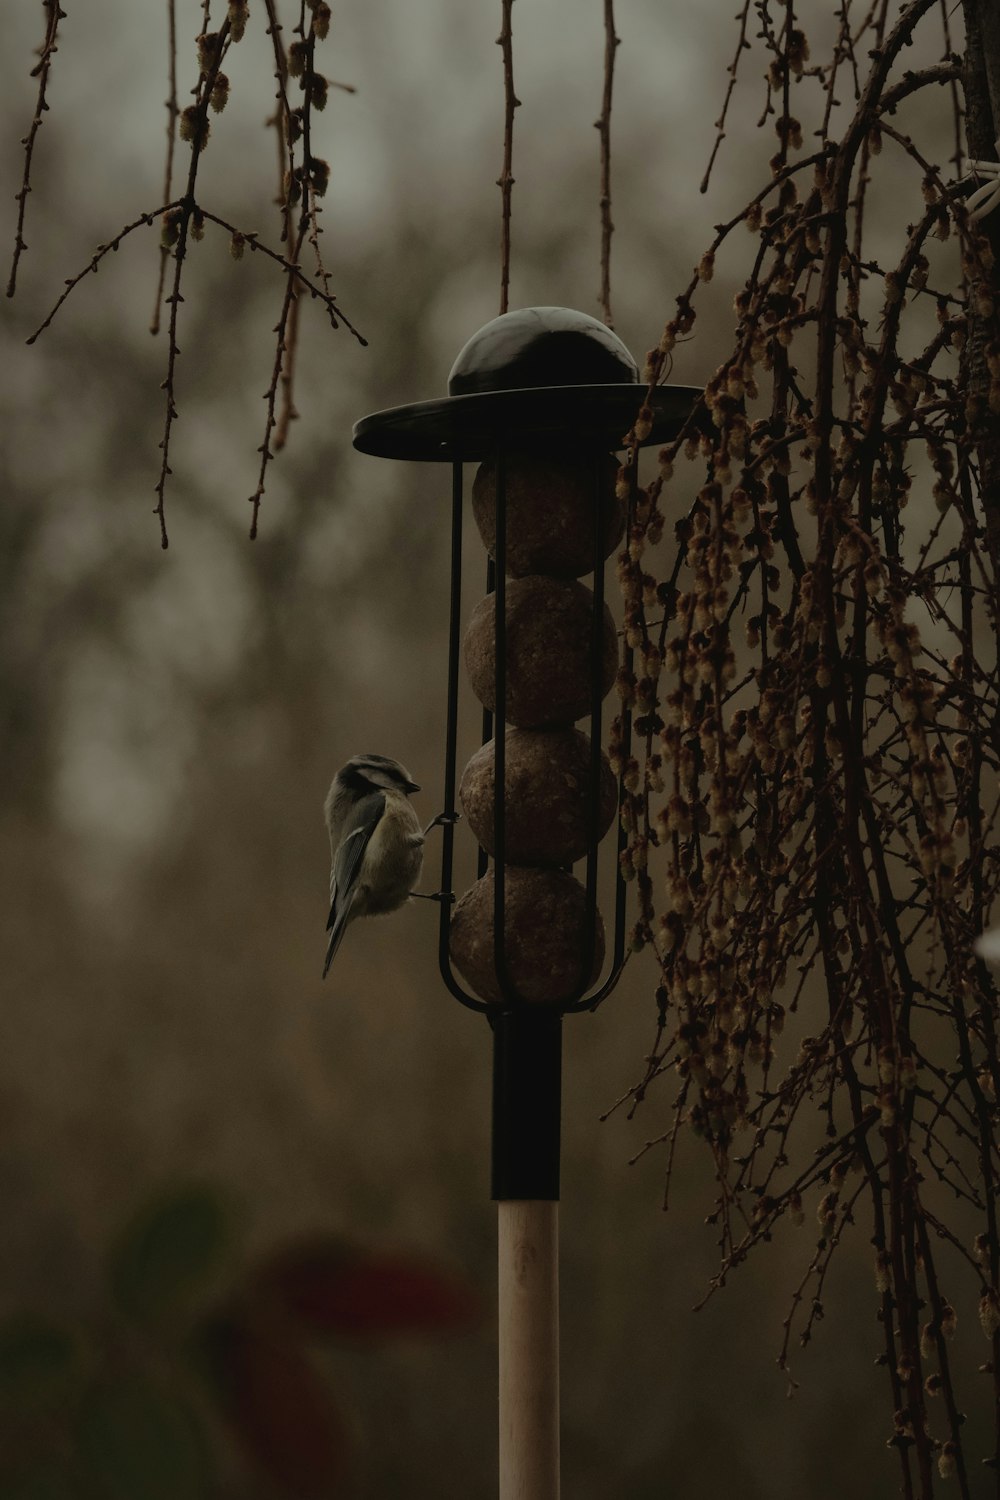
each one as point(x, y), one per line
point(98, 256)
point(197, 115)
point(603, 125)
point(945, 72)
point(505, 182)
point(41, 70)
point(281, 120)
point(720, 124)
point(173, 109)
point(843, 48)
point(306, 185)
point(282, 351)
point(334, 311)
point(249, 236)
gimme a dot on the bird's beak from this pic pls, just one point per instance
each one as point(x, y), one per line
point(412, 786)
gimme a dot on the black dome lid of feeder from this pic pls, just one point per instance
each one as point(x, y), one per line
point(530, 376)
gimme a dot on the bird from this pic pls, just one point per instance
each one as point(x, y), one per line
point(376, 842)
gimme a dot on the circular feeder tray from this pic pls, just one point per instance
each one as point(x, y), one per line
point(531, 377)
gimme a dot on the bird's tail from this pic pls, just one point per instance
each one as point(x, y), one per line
point(340, 915)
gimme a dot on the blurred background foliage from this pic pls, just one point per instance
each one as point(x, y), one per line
point(201, 1376)
point(172, 720)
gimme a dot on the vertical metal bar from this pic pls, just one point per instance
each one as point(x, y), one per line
point(491, 584)
point(621, 892)
point(487, 733)
point(596, 700)
point(499, 733)
point(617, 943)
point(451, 732)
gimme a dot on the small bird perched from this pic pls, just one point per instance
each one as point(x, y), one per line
point(376, 842)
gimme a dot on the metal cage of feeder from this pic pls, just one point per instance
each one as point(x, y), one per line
point(550, 380)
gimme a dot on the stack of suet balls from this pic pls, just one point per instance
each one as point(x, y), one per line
point(551, 504)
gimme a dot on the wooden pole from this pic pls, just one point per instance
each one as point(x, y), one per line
point(527, 1068)
point(528, 1246)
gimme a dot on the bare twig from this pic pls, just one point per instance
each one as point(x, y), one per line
point(197, 126)
point(144, 219)
point(611, 43)
point(173, 109)
point(505, 182)
point(53, 15)
point(304, 184)
point(732, 70)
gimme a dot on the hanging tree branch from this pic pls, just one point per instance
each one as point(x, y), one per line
point(603, 124)
point(304, 185)
point(212, 89)
point(183, 217)
point(173, 110)
point(811, 825)
point(505, 182)
point(53, 15)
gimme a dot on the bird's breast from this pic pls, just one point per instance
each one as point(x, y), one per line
point(392, 862)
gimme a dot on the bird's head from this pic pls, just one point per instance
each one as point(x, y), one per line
point(363, 772)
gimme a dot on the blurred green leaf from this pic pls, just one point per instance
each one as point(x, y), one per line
point(278, 1406)
point(367, 1296)
point(141, 1443)
point(39, 1363)
point(170, 1249)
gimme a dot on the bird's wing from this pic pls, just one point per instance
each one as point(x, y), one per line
point(359, 826)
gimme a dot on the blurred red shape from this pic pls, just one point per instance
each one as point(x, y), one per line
point(368, 1296)
point(278, 1407)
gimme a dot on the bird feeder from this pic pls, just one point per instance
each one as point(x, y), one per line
point(539, 399)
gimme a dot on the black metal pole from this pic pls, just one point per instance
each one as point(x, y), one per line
point(527, 1102)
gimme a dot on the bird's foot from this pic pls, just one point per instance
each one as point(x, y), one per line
point(441, 819)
